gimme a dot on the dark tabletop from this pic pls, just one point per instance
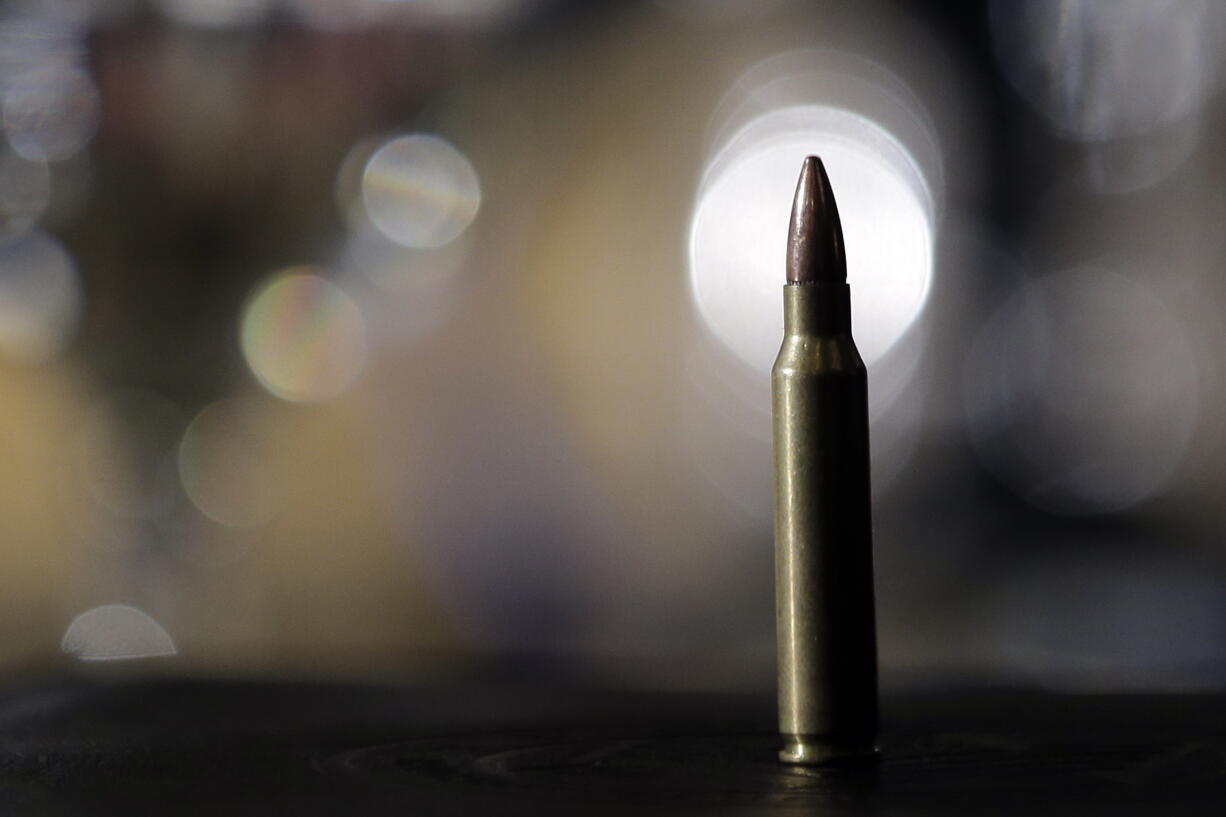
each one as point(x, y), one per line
point(196, 747)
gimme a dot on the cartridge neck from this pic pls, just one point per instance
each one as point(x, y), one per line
point(817, 308)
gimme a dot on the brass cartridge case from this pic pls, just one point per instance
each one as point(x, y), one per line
point(823, 532)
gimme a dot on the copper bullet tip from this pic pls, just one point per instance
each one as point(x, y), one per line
point(815, 235)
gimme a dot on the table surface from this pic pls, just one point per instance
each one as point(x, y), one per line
point(211, 747)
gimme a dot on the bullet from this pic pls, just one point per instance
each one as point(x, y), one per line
point(823, 527)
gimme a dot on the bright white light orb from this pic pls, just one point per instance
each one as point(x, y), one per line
point(738, 235)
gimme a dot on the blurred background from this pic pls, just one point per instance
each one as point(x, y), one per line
point(410, 339)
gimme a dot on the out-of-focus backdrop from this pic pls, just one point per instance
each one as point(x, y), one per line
point(411, 338)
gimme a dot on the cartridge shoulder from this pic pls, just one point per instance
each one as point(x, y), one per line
point(812, 355)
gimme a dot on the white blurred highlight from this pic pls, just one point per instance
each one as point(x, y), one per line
point(882, 155)
point(1106, 69)
point(419, 191)
point(51, 112)
point(49, 105)
point(116, 632)
point(40, 297)
point(739, 230)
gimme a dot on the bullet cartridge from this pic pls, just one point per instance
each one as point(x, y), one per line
point(823, 530)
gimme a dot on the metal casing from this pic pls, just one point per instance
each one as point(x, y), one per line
point(823, 532)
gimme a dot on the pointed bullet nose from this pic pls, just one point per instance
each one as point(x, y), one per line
point(815, 236)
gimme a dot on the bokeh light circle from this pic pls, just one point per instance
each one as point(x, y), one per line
point(222, 465)
point(116, 632)
point(1105, 69)
point(739, 230)
point(420, 191)
point(51, 113)
point(303, 338)
point(1082, 392)
point(40, 297)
